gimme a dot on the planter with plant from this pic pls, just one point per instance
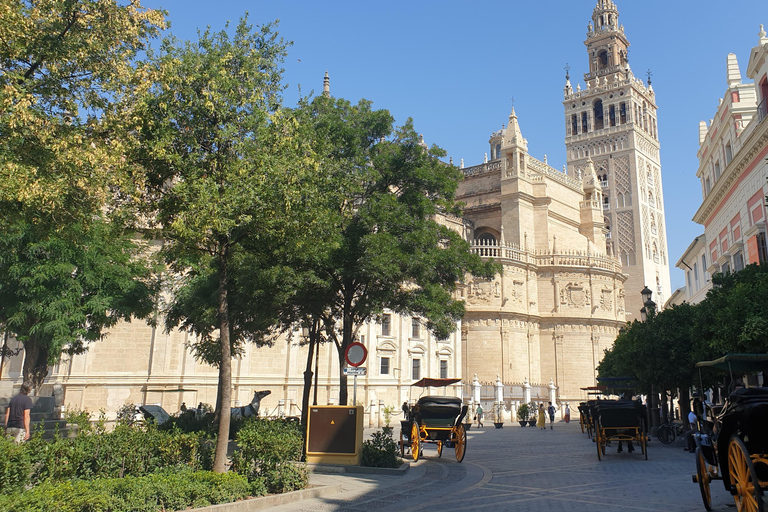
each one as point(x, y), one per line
point(533, 411)
point(522, 415)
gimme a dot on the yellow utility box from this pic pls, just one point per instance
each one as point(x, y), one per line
point(335, 435)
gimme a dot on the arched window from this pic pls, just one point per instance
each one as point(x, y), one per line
point(487, 239)
point(655, 253)
point(608, 231)
point(650, 177)
point(653, 226)
point(606, 202)
point(651, 200)
point(598, 114)
point(498, 151)
point(602, 59)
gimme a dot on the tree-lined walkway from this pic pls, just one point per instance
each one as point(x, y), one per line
point(530, 470)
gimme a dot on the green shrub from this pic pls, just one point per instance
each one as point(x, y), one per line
point(381, 450)
point(169, 490)
point(126, 451)
point(271, 450)
point(15, 465)
point(81, 418)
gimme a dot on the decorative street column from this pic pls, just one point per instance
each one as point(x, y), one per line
point(552, 392)
point(527, 391)
point(499, 403)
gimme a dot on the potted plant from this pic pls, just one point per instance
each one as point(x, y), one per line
point(533, 411)
point(522, 414)
point(388, 410)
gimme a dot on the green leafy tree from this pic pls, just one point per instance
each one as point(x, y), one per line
point(733, 315)
point(65, 273)
point(60, 290)
point(387, 192)
point(232, 186)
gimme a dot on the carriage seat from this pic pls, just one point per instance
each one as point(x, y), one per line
point(620, 413)
point(438, 410)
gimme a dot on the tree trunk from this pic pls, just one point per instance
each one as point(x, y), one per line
point(225, 367)
point(685, 404)
point(35, 368)
point(346, 340)
point(307, 382)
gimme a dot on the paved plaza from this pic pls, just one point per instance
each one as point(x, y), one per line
point(529, 470)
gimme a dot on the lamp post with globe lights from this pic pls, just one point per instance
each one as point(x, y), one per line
point(648, 310)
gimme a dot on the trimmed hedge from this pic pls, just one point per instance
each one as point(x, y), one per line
point(271, 450)
point(168, 490)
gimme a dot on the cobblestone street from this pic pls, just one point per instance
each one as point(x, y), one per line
point(530, 470)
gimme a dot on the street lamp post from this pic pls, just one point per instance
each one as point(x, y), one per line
point(648, 309)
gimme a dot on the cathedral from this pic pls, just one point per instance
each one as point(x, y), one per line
point(576, 247)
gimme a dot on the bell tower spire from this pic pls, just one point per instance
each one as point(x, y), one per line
point(607, 46)
point(611, 137)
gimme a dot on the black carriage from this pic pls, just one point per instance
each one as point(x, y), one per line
point(733, 440)
point(586, 409)
point(435, 420)
point(619, 420)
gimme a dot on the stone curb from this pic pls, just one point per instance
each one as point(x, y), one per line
point(360, 470)
point(274, 500)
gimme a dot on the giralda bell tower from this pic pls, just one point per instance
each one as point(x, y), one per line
point(613, 123)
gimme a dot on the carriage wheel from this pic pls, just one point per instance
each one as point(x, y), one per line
point(460, 441)
point(644, 444)
point(600, 449)
point(703, 478)
point(745, 486)
point(415, 442)
point(581, 422)
point(666, 434)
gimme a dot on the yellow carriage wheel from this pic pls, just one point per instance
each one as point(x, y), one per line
point(703, 479)
point(581, 422)
point(439, 449)
point(415, 441)
point(746, 489)
point(600, 450)
point(460, 441)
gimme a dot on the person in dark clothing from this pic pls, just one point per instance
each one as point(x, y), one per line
point(17, 422)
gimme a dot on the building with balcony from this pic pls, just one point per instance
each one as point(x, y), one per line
point(733, 168)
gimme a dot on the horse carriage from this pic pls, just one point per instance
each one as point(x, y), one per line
point(586, 416)
point(435, 420)
point(619, 420)
point(733, 441)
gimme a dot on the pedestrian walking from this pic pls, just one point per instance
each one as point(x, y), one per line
point(479, 415)
point(551, 410)
point(567, 416)
point(17, 422)
point(542, 421)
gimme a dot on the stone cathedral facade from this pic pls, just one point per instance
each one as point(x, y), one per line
point(576, 246)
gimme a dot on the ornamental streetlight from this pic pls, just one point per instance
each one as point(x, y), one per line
point(648, 308)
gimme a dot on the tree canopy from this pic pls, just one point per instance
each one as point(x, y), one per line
point(69, 267)
point(230, 186)
point(389, 250)
point(662, 352)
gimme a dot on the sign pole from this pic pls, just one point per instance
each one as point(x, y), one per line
point(354, 391)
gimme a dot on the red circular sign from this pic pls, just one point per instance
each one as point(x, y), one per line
point(356, 354)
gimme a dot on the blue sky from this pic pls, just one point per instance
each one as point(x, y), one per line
point(454, 67)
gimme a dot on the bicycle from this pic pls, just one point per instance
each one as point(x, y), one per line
point(669, 431)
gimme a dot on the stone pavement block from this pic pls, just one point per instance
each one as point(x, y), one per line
point(529, 470)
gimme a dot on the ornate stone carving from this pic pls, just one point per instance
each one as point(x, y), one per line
point(483, 291)
point(575, 295)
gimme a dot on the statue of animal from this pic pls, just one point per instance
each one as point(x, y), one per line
point(252, 409)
